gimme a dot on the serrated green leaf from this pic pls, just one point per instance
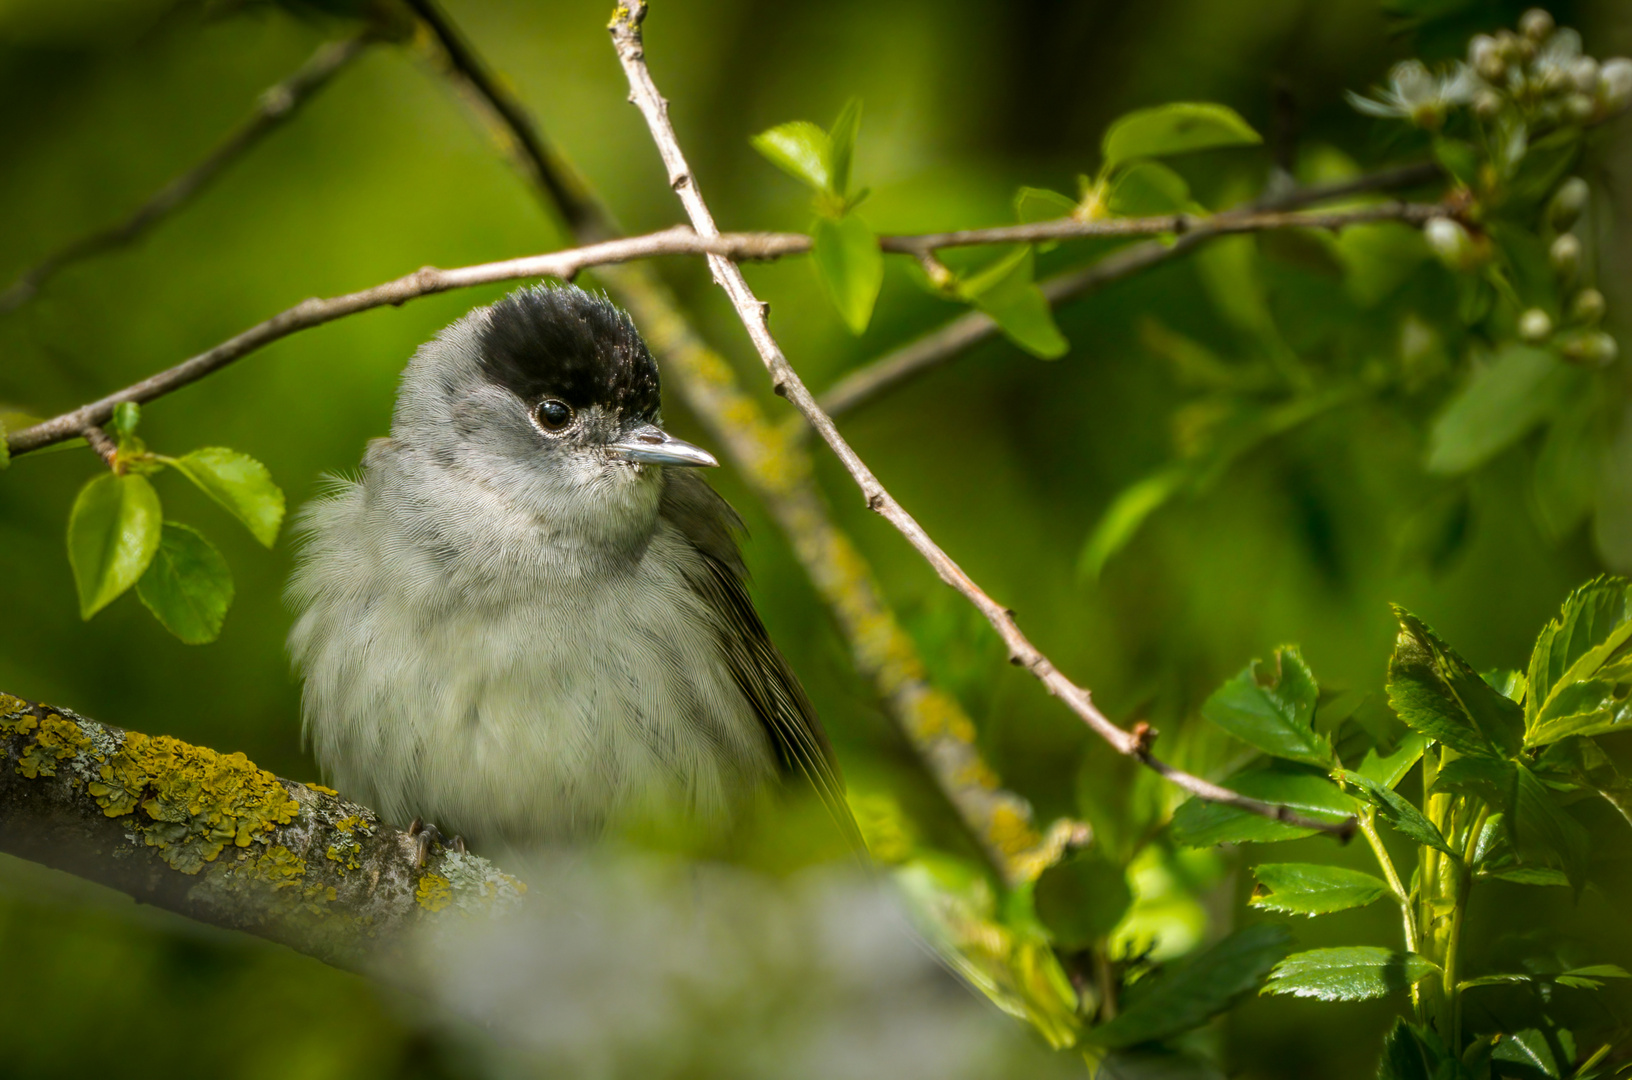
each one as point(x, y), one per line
point(1309, 791)
point(1529, 875)
point(1438, 693)
point(1006, 292)
point(1184, 997)
point(1081, 899)
point(1492, 779)
point(1415, 1053)
point(1544, 832)
point(1148, 189)
point(1313, 889)
point(1176, 128)
point(1405, 818)
point(187, 586)
point(240, 484)
point(1127, 512)
point(1500, 402)
point(841, 140)
point(1529, 1049)
point(113, 531)
point(1271, 706)
point(800, 149)
point(850, 267)
point(1390, 768)
point(1350, 973)
point(1572, 680)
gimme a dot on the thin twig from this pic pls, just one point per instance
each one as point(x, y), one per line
point(626, 36)
point(875, 378)
point(274, 106)
point(103, 445)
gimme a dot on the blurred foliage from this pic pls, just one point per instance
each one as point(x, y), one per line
point(1268, 441)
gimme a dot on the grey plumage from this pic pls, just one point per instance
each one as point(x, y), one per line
point(525, 633)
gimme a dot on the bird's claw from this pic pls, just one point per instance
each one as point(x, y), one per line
point(427, 836)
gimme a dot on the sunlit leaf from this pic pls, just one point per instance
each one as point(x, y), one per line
point(242, 485)
point(1500, 402)
point(1492, 779)
point(1271, 705)
point(113, 531)
point(1149, 189)
point(1390, 768)
point(1040, 204)
point(1176, 128)
point(1314, 889)
point(841, 139)
point(1528, 1049)
point(1350, 973)
point(1570, 690)
point(1438, 693)
point(850, 267)
point(1082, 898)
point(1005, 291)
point(187, 586)
point(1398, 812)
point(1198, 823)
point(1127, 512)
point(800, 149)
point(1187, 995)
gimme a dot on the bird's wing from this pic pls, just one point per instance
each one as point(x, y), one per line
point(761, 673)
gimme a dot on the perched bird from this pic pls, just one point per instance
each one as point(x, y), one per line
point(526, 621)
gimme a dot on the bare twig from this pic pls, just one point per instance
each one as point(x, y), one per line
point(275, 106)
point(211, 836)
point(626, 36)
point(104, 446)
point(874, 379)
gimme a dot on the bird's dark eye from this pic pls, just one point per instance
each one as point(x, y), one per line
point(553, 414)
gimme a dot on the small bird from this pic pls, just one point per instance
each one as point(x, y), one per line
point(527, 619)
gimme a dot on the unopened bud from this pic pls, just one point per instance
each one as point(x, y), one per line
point(1615, 84)
point(1535, 325)
point(1450, 241)
point(1536, 24)
point(1485, 57)
point(1584, 74)
point(1579, 108)
point(1565, 255)
point(1507, 45)
point(1568, 203)
point(1487, 103)
point(1587, 307)
point(1591, 347)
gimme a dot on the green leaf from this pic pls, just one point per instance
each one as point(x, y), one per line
point(1198, 823)
point(1390, 768)
point(1005, 291)
point(242, 485)
point(5, 447)
point(1413, 1053)
point(187, 586)
point(1503, 400)
point(1438, 693)
point(1312, 889)
point(1528, 1049)
point(1177, 128)
point(1399, 813)
point(850, 266)
point(1272, 706)
point(1127, 512)
point(1492, 779)
point(841, 141)
point(1149, 189)
point(1459, 159)
point(1184, 997)
point(1082, 898)
point(1566, 473)
point(1040, 204)
point(126, 415)
point(1544, 832)
point(1350, 973)
point(1564, 696)
point(800, 149)
point(113, 531)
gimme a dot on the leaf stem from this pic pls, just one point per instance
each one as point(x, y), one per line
point(1368, 826)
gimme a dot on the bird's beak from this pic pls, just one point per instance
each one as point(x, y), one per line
point(652, 445)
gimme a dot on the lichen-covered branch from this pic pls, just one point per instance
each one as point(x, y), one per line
point(215, 838)
point(626, 38)
point(276, 105)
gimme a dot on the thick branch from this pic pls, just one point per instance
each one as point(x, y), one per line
point(212, 837)
point(626, 36)
point(276, 105)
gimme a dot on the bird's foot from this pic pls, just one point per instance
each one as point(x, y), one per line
point(426, 837)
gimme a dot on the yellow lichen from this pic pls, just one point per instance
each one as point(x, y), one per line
point(57, 738)
point(346, 848)
point(195, 801)
point(10, 707)
point(435, 892)
point(1010, 831)
point(321, 790)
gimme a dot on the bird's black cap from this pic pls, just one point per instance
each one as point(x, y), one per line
point(561, 342)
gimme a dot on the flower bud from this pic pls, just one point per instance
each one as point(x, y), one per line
point(1536, 24)
point(1485, 57)
point(1587, 307)
point(1565, 255)
point(1487, 103)
point(1615, 84)
point(1579, 108)
point(1591, 347)
point(1450, 241)
point(1584, 74)
point(1568, 203)
point(1535, 325)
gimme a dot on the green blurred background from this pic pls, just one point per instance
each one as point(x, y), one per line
point(1007, 460)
